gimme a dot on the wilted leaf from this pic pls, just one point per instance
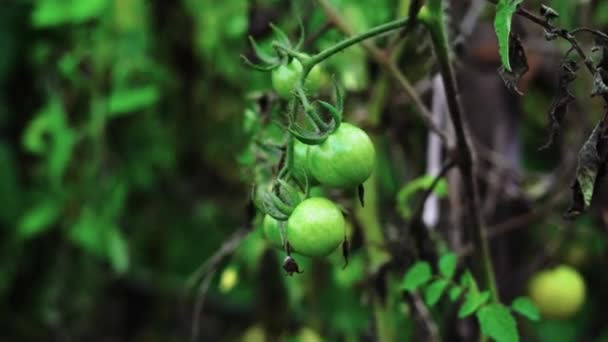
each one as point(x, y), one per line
point(496, 321)
point(502, 26)
point(518, 65)
point(589, 162)
point(599, 85)
point(559, 106)
point(416, 276)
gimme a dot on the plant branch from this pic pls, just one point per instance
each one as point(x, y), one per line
point(373, 32)
point(434, 21)
point(381, 57)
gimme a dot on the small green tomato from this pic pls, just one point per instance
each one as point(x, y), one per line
point(272, 232)
point(316, 227)
point(285, 78)
point(558, 292)
point(345, 160)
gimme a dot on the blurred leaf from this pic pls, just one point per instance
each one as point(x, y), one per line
point(502, 26)
point(228, 279)
point(39, 218)
point(421, 183)
point(129, 100)
point(417, 275)
point(117, 249)
point(455, 293)
point(525, 307)
point(48, 13)
point(468, 282)
point(433, 292)
point(472, 302)
point(447, 264)
point(100, 238)
point(496, 321)
point(49, 133)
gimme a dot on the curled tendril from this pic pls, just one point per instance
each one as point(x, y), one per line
point(321, 129)
point(284, 50)
point(281, 201)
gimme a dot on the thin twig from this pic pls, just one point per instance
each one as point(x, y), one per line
point(464, 152)
point(207, 271)
point(430, 324)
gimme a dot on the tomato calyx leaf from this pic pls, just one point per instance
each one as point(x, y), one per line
point(345, 251)
point(361, 193)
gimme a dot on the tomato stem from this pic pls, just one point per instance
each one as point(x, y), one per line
point(433, 20)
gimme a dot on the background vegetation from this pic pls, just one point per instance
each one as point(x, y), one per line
point(128, 153)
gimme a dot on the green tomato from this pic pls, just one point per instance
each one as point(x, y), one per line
point(316, 227)
point(300, 164)
point(272, 232)
point(285, 78)
point(346, 159)
point(558, 292)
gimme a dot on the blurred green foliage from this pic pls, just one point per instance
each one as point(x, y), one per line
point(127, 155)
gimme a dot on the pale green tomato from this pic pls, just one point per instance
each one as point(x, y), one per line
point(316, 227)
point(558, 292)
point(285, 78)
point(345, 160)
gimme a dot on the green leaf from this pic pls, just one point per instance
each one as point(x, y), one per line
point(472, 302)
point(502, 26)
point(100, 238)
point(412, 187)
point(497, 322)
point(455, 293)
point(117, 250)
point(433, 292)
point(468, 282)
point(39, 218)
point(48, 13)
point(526, 308)
point(130, 100)
point(447, 265)
point(417, 275)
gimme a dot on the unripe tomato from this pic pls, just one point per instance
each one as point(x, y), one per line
point(300, 164)
point(272, 232)
point(316, 227)
point(346, 159)
point(285, 78)
point(558, 292)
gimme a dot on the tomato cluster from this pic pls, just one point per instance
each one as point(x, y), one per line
point(341, 156)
